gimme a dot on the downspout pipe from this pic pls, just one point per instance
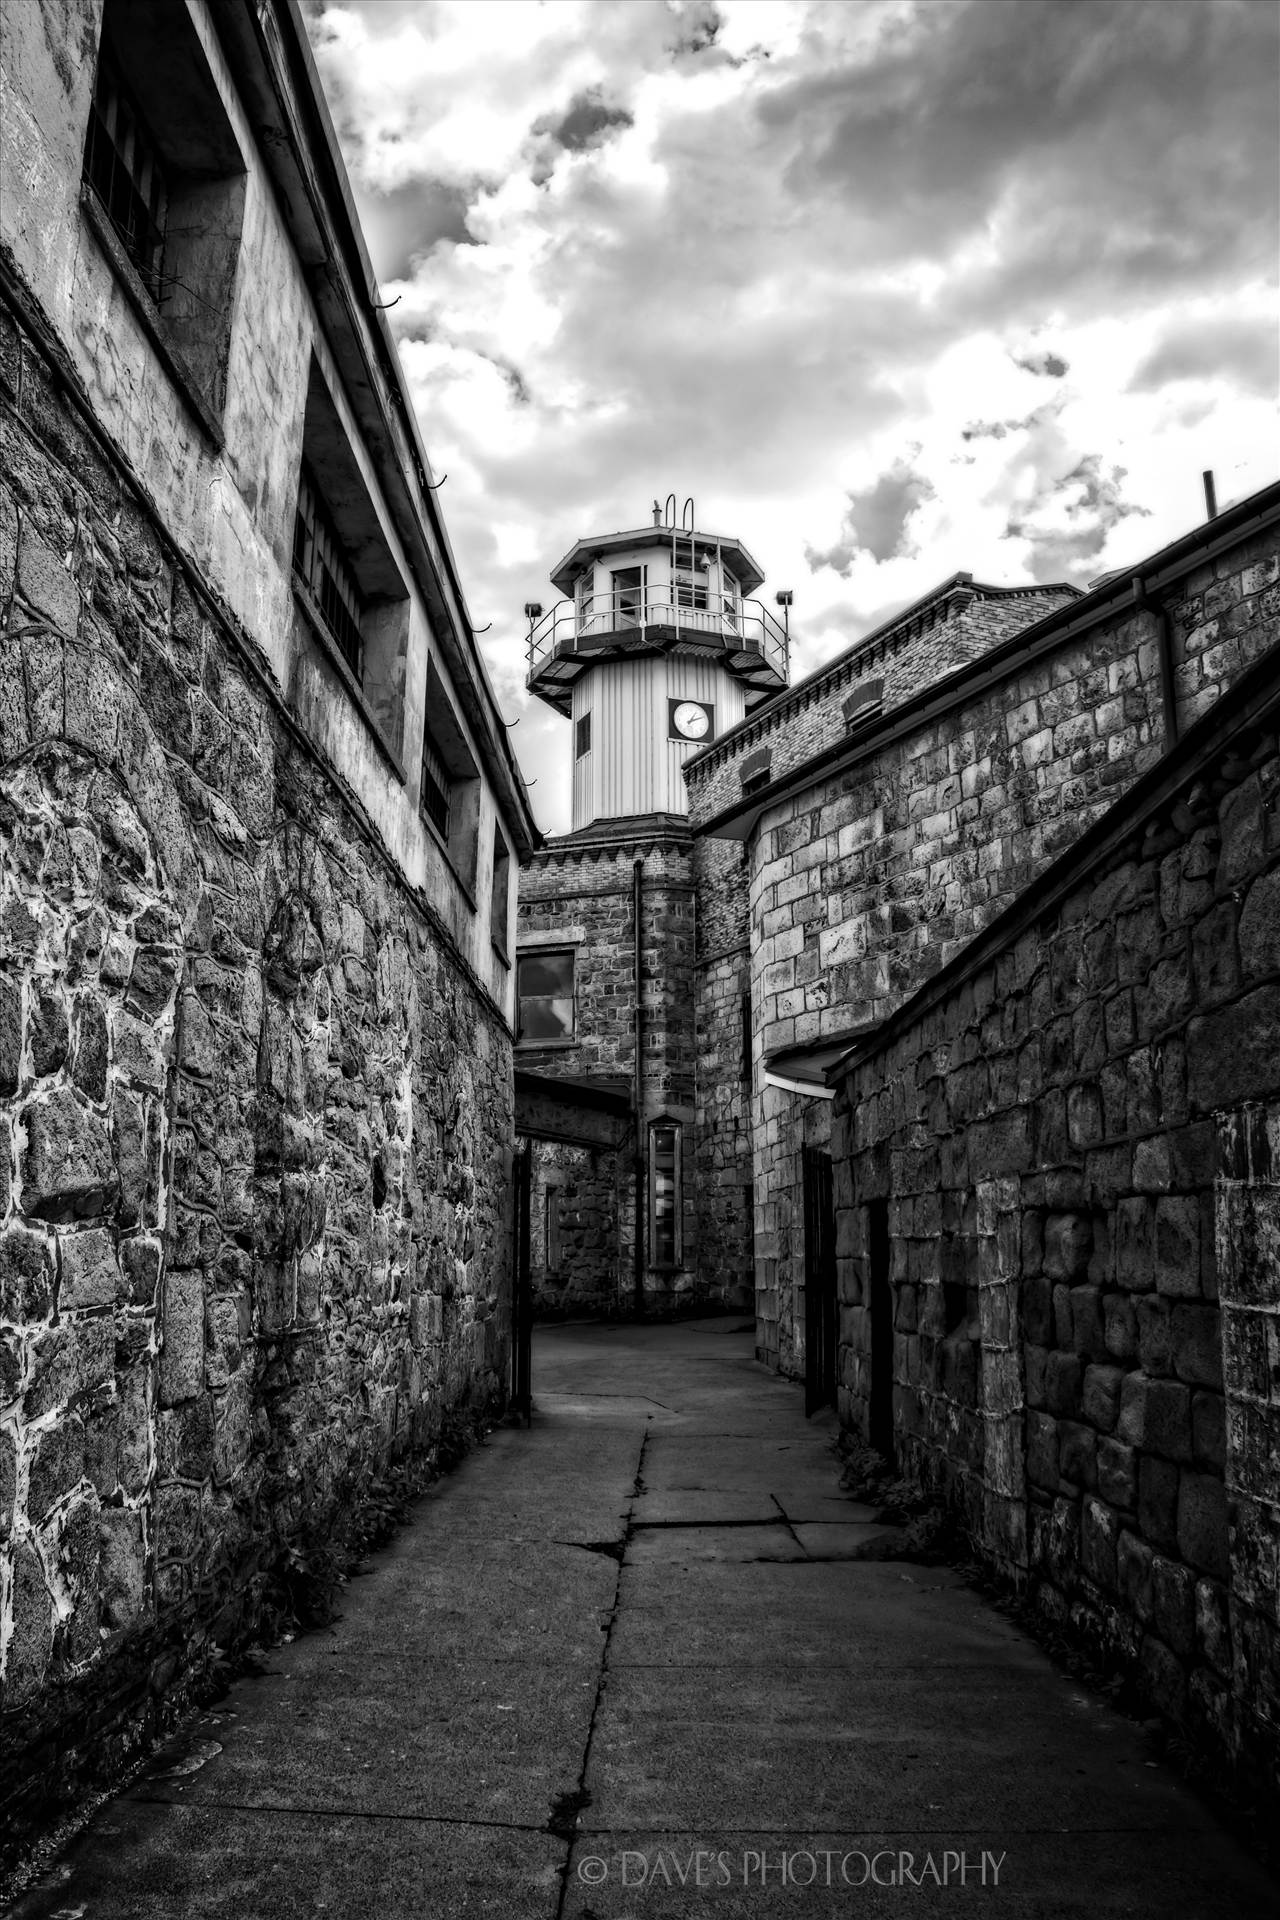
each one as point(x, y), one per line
point(637, 899)
point(1144, 602)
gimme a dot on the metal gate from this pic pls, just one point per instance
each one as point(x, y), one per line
point(522, 1284)
point(821, 1317)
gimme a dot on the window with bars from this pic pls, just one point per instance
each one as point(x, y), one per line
point(163, 192)
point(437, 786)
point(123, 166)
point(582, 736)
point(321, 564)
point(665, 1195)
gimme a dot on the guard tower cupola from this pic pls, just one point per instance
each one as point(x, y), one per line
point(656, 649)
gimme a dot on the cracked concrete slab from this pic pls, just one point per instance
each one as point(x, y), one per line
point(506, 1699)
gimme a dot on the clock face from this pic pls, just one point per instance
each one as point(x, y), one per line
point(690, 720)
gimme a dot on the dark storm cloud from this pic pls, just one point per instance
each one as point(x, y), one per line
point(1067, 522)
point(1050, 365)
point(1070, 141)
point(875, 521)
point(588, 120)
point(1244, 352)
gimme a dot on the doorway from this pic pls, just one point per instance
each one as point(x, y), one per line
point(821, 1315)
point(880, 1313)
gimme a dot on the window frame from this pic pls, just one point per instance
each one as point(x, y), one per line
point(524, 958)
point(183, 287)
point(582, 736)
point(671, 1223)
point(326, 572)
point(500, 898)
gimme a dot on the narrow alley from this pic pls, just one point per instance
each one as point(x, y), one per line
point(627, 1663)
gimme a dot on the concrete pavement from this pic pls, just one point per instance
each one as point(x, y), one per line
point(623, 1664)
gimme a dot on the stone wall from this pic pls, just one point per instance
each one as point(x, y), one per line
point(578, 892)
point(596, 1205)
point(257, 1114)
point(1073, 1141)
point(941, 634)
point(883, 869)
point(723, 1205)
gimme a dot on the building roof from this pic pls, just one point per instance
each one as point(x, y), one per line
point(600, 546)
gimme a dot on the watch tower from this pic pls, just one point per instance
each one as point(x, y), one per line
point(656, 649)
point(633, 947)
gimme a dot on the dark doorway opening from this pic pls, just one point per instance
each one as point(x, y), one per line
point(522, 1284)
point(821, 1315)
point(880, 1313)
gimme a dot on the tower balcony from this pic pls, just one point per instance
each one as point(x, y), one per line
point(574, 635)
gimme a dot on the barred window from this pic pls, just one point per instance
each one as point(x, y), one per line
point(437, 786)
point(582, 737)
point(665, 1195)
point(122, 165)
point(321, 564)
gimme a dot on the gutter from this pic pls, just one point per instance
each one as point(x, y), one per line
point(637, 895)
point(1139, 586)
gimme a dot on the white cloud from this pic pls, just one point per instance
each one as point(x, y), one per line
point(960, 264)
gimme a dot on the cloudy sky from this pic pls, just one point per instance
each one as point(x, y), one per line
point(889, 287)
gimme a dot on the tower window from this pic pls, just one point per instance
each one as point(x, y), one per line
point(545, 997)
point(628, 596)
point(322, 566)
point(582, 737)
point(665, 1196)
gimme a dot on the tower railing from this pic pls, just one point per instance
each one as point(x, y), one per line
point(718, 620)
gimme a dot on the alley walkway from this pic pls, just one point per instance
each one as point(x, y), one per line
point(643, 1608)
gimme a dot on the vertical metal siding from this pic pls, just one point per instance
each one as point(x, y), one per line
point(633, 768)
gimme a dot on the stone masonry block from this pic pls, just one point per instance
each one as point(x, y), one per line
point(67, 1168)
point(1173, 1590)
point(1134, 1579)
point(1099, 1536)
point(1156, 1416)
point(1102, 1387)
point(1117, 1474)
point(1158, 1502)
point(1177, 1246)
point(182, 1350)
point(45, 583)
point(1196, 1344)
point(1202, 1523)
